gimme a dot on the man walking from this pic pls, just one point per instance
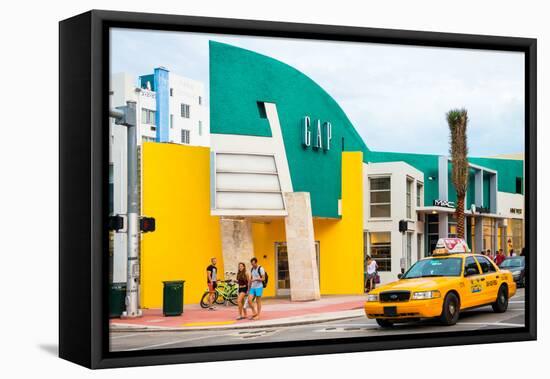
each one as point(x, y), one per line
point(257, 277)
point(211, 280)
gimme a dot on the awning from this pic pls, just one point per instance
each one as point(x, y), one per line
point(439, 210)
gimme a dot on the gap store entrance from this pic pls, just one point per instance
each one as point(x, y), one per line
point(281, 263)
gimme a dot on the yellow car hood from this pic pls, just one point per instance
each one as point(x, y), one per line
point(418, 284)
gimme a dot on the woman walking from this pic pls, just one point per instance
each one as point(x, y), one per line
point(372, 268)
point(242, 280)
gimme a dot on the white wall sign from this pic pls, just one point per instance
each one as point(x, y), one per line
point(323, 134)
point(444, 203)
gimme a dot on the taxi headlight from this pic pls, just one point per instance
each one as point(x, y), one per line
point(426, 295)
point(516, 273)
point(372, 298)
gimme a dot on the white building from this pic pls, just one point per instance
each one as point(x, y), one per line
point(170, 109)
point(393, 192)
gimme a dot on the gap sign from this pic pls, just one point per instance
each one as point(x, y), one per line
point(322, 134)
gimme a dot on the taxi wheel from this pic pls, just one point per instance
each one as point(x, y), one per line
point(451, 310)
point(384, 323)
point(501, 304)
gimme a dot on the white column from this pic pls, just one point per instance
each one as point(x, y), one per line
point(302, 258)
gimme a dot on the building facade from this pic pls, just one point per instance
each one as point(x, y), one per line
point(287, 179)
point(170, 109)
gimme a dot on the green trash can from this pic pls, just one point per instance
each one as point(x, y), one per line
point(117, 299)
point(172, 299)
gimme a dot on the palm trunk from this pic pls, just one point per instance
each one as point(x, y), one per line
point(459, 215)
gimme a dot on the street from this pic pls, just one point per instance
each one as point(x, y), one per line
point(476, 319)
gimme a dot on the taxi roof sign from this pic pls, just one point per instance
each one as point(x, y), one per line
point(451, 246)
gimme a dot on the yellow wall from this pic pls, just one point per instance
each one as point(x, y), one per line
point(341, 241)
point(175, 187)
point(264, 236)
point(176, 191)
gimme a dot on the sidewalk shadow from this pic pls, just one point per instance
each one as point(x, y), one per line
point(52, 349)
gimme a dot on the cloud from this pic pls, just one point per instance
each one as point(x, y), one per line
point(396, 96)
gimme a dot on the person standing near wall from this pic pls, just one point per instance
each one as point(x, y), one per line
point(499, 258)
point(212, 281)
point(257, 277)
point(372, 267)
point(243, 280)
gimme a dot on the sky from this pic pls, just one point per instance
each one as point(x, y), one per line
point(395, 96)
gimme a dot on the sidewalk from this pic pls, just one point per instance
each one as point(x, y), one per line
point(275, 312)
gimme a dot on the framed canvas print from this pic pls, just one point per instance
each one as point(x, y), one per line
point(234, 189)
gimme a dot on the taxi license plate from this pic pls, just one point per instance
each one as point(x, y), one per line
point(390, 311)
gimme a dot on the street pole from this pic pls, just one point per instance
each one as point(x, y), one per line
point(133, 218)
point(127, 116)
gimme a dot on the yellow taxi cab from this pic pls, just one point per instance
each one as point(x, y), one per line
point(451, 280)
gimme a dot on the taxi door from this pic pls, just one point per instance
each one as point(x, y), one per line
point(474, 286)
point(492, 278)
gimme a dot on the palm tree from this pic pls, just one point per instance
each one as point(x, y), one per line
point(458, 122)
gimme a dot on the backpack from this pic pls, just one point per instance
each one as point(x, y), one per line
point(266, 277)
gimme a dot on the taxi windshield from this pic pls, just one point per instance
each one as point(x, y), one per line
point(434, 267)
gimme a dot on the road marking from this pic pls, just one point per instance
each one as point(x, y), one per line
point(346, 325)
point(492, 324)
point(126, 335)
point(209, 323)
point(516, 301)
point(172, 343)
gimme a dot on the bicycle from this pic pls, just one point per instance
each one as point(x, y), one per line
point(226, 291)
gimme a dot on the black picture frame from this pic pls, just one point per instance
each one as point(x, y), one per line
point(83, 194)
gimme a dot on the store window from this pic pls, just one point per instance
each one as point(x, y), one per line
point(147, 116)
point(409, 197)
point(419, 238)
point(517, 234)
point(380, 249)
point(419, 193)
point(433, 232)
point(185, 136)
point(488, 234)
point(171, 121)
point(185, 111)
point(200, 100)
point(409, 251)
point(380, 197)
point(200, 128)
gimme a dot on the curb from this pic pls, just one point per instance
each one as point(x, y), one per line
point(121, 328)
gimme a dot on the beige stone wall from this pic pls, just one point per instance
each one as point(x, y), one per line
point(300, 238)
point(237, 244)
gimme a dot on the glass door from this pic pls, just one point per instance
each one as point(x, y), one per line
point(283, 274)
point(282, 270)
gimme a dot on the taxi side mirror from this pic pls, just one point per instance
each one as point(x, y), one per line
point(399, 276)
